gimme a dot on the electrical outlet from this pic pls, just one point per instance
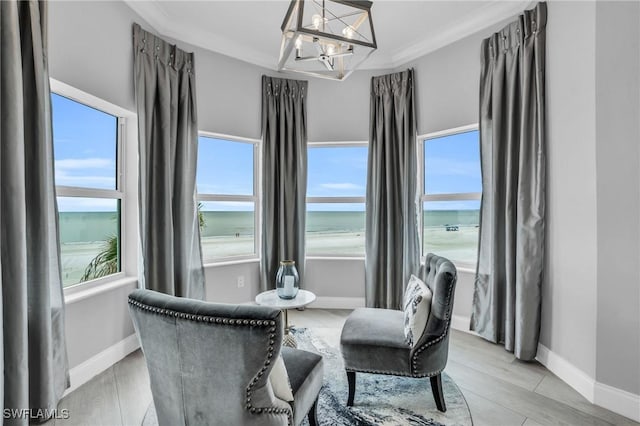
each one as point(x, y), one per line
point(240, 281)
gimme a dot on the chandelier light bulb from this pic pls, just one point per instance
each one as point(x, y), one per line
point(331, 49)
point(319, 37)
point(348, 31)
point(316, 20)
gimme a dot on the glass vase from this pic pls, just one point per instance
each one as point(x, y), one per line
point(287, 280)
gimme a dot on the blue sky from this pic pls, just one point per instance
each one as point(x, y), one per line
point(84, 147)
point(452, 165)
point(85, 156)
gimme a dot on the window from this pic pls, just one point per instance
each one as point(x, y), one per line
point(451, 197)
point(86, 144)
point(337, 179)
point(226, 181)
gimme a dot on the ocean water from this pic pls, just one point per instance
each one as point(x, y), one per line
point(79, 227)
point(83, 227)
point(451, 217)
point(82, 235)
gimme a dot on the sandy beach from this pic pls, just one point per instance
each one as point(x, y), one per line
point(460, 245)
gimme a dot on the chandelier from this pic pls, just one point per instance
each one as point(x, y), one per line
point(326, 38)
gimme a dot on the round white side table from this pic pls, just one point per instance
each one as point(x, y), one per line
point(270, 298)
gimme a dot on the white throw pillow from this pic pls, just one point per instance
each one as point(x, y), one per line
point(417, 306)
point(279, 379)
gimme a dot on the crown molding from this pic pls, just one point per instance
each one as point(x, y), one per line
point(167, 26)
point(490, 14)
point(471, 23)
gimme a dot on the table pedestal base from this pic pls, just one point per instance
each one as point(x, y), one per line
point(271, 298)
point(289, 341)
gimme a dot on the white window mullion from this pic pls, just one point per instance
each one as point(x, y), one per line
point(466, 196)
point(68, 191)
point(335, 200)
point(450, 232)
point(89, 200)
point(217, 255)
point(218, 197)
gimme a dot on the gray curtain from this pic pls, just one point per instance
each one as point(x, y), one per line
point(168, 139)
point(392, 238)
point(34, 357)
point(506, 302)
point(284, 176)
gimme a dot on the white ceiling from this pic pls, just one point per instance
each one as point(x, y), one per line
point(250, 30)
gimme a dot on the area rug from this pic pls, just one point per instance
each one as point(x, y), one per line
point(379, 399)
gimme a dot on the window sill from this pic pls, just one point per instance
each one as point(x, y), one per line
point(466, 269)
point(92, 291)
point(231, 262)
point(319, 257)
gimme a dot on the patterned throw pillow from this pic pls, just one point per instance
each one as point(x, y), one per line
point(279, 379)
point(417, 306)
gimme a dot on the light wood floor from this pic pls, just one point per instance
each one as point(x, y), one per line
point(499, 389)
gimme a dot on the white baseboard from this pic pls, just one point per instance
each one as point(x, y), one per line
point(95, 365)
point(617, 400)
point(569, 373)
point(323, 302)
point(460, 323)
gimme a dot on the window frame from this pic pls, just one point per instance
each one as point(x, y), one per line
point(255, 198)
point(126, 185)
point(336, 200)
point(456, 196)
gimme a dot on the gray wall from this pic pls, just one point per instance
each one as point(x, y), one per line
point(447, 85)
point(588, 309)
point(618, 171)
point(229, 100)
point(335, 277)
point(97, 323)
point(569, 294)
point(591, 290)
point(222, 282)
point(324, 277)
point(90, 49)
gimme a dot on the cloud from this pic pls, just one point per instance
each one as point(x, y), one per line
point(446, 167)
point(230, 189)
point(86, 172)
point(102, 182)
point(99, 182)
point(84, 163)
point(341, 186)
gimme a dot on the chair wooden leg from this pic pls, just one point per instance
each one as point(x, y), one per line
point(438, 395)
point(351, 378)
point(313, 413)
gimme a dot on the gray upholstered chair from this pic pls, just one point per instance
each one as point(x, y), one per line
point(373, 340)
point(209, 364)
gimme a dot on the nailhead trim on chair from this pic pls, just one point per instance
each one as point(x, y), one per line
point(396, 373)
point(240, 322)
point(391, 373)
point(415, 355)
point(414, 364)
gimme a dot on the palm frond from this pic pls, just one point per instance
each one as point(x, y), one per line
point(105, 262)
